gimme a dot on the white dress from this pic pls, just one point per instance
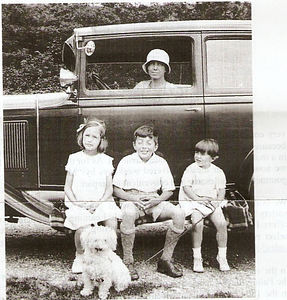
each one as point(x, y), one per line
point(89, 184)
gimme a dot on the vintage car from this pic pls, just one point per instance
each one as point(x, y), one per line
point(211, 66)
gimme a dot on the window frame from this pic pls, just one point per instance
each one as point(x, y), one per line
point(196, 63)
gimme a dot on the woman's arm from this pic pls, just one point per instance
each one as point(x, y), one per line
point(68, 189)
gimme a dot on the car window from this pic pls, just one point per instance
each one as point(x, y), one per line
point(228, 63)
point(117, 63)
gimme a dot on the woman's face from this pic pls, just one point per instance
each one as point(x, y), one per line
point(156, 70)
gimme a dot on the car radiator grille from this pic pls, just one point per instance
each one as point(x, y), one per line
point(15, 155)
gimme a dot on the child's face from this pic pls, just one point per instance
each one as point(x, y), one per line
point(145, 147)
point(203, 160)
point(91, 139)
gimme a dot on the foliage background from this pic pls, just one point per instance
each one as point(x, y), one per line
point(33, 34)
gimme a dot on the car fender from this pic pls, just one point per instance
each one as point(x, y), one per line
point(34, 101)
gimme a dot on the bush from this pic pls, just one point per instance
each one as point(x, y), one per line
point(33, 34)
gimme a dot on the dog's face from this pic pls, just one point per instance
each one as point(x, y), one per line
point(99, 238)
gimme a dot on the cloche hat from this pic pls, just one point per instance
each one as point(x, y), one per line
point(157, 55)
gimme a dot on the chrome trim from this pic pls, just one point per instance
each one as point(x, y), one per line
point(14, 144)
point(38, 140)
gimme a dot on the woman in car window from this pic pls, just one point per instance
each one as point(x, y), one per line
point(156, 65)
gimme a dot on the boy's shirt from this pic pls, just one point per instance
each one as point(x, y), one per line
point(133, 173)
point(204, 182)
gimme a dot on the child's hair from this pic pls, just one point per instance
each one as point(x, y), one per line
point(93, 122)
point(146, 130)
point(209, 146)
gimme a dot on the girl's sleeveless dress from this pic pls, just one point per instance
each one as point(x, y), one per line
point(89, 184)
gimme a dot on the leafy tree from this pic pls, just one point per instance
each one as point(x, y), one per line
point(33, 34)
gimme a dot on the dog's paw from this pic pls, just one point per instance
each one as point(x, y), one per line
point(86, 292)
point(103, 295)
point(121, 286)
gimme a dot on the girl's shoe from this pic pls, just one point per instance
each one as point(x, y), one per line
point(223, 264)
point(77, 266)
point(197, 265)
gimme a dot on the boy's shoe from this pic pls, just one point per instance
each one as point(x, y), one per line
point(77, 266)
point(168, 268)
point(133, 272)
point(223, 264)
point(197, 265)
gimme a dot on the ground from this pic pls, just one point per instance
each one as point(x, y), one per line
point(39, 259)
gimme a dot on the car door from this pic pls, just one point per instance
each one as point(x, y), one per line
point(228, 97)
point(177, 114)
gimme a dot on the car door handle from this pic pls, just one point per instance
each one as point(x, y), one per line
point(195, 109)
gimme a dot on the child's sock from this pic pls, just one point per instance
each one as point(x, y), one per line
point(197, 260)
point(221, 258)
point(196, 252)
point(222, 251)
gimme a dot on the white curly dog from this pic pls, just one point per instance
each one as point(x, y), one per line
point(101, 266)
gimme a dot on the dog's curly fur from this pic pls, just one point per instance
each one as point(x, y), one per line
point(101, 266)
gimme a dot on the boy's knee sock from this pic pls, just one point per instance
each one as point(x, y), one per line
point(196, 252)
point(128, 245)
point(127, 239)
point(171, 240)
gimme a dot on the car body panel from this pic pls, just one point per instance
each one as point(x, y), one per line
point(40, 129)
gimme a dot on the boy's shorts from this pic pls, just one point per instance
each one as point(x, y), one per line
point(155, 211)
point(189, 207)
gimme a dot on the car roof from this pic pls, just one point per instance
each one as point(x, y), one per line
point(173, 26)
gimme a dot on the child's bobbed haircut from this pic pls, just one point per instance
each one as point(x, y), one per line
point(93, 122)
point(209, 146)
point(144, 131)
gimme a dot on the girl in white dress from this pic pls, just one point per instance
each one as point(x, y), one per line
point(88, 186)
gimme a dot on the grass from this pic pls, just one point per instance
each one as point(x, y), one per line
point(218, 295)
point(38, 266)
point(34, 289)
